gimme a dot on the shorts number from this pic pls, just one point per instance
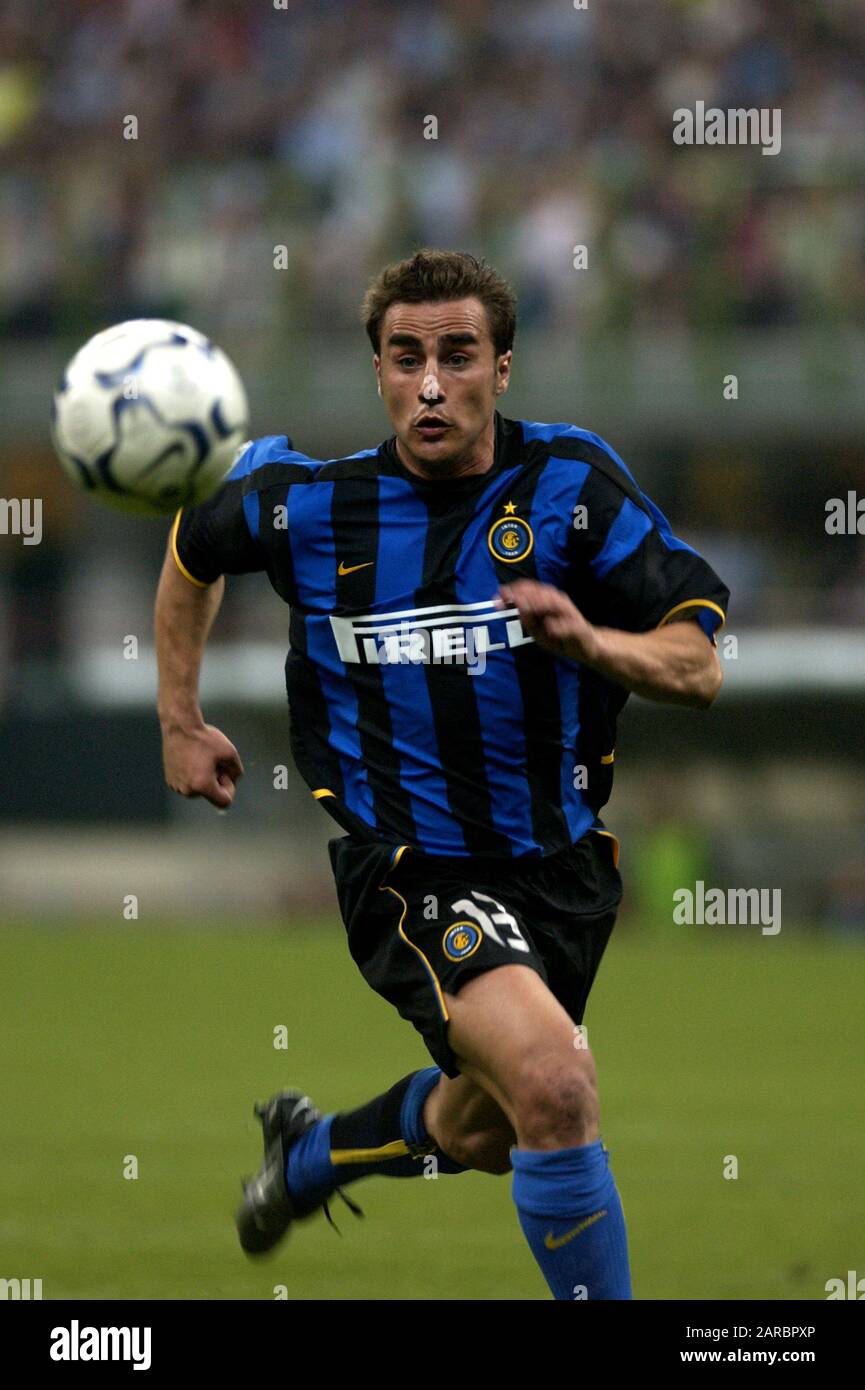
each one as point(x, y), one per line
point(489, 921)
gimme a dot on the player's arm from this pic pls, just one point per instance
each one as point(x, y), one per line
point(674, 664)
point(634, 602)
point(198, 759)
point(217, 537)
point(205, 543)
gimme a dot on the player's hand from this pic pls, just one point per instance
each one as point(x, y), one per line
point(551, 618)
point(201, 761)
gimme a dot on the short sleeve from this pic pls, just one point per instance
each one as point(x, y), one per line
point(221, 535)
point(214, 538)
point(627, 568)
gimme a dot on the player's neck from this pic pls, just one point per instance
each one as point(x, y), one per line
point(478, 459)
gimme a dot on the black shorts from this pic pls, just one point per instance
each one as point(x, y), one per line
point(423, 927)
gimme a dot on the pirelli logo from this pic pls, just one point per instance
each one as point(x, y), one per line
point(450, 633)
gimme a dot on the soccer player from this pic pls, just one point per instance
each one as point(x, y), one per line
point(471, 604)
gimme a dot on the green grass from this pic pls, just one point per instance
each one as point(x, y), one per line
point(155, 1042)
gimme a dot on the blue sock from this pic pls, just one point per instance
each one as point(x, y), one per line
point(387, 1137)
point(572, 1217)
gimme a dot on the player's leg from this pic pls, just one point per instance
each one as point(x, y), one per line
point(453, 1121)
point(469, 1124)
point(419, 965)
point(512, 1037)
point(309, 1157)
point(386, 1137)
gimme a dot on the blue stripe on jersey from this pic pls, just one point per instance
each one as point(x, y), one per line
point(271, 448)
point(399, 570)
point(623, 537)
point(558, 490)
point(578, 815)
point(361, 454)
point(556, 494)
point(497, 690)
point(533, 429)
point(252, 512)
point(309, 510)
point(708, 620)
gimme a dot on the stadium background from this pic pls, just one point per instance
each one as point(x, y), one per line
point(303, 128)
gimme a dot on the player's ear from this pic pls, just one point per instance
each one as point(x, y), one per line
point(376, 362)
point(503, 371)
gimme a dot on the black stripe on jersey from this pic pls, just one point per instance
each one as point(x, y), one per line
point(600, 703)
point(316, 761)
point(650, 581)
point(273, 536)
point(542, 721)
point(355, 524)
point(653, 571)
point(583, 451)
point(602, 507)
point(649, 570)
point(451, 691)
point(275, 475)
point(340, 469)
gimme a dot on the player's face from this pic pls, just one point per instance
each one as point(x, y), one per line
point(439, 377)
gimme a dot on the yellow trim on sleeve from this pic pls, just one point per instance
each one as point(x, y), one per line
point(322, 791)
point(199, 583)
point(694, 603)
point(609, 757)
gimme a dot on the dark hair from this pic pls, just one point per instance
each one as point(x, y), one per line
point(431, 275)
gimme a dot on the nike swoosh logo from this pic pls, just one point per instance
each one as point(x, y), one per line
point(553, 1242)
point(350, 569)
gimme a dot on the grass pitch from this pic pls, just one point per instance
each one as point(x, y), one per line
point(153, 1043)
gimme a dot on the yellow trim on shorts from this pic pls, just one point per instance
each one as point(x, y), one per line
point(386, 888)
point(615, 840)
point(199, 583)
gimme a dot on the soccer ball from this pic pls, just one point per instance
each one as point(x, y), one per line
point(149, 416)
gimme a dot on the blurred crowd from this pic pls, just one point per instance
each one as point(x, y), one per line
point(264, 123)
point(246, 164)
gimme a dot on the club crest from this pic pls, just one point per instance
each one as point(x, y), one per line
point(510, 537)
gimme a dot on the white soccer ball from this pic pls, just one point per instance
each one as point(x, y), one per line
point(149, 416)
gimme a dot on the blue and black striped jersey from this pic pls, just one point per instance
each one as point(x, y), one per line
point(421, 714)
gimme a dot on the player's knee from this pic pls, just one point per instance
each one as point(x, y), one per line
point(485, 1150)
point(493, 1152)
point(556, 1102)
